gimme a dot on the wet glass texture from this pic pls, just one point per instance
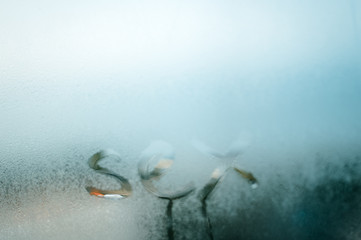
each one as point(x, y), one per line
point(180, 119)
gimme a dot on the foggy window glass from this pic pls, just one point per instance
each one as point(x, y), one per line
point(180, 119)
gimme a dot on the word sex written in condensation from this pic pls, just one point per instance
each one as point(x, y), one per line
point(164, 156)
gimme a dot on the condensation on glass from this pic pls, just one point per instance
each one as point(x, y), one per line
point(180, 120)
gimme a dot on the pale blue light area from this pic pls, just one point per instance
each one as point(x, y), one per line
point(204, 68)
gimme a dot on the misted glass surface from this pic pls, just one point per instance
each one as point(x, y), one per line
point(180, 119)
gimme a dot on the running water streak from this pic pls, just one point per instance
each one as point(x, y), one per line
point(148, 175)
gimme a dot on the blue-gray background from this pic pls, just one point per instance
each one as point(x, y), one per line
point(77, 76)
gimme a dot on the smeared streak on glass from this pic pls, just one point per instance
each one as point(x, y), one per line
point(249, 176)
point(203, 195)
point(218, 174)
point(234, 150)
point(148, 175)
point(126, 188)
